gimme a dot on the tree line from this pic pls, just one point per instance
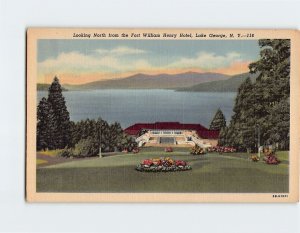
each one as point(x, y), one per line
point(262, 107)
point(55, 130)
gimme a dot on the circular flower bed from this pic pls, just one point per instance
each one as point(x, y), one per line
point(162, 165)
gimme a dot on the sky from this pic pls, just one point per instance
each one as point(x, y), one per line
point(83, 61)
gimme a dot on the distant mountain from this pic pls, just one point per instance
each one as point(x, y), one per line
point(229, 85)
point(160, 81)
point(45, 87)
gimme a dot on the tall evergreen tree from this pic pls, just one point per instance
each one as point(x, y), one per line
point(241, 126)
point(61, 115)
point(223, 136)
point(45, 126)
point(218, 122)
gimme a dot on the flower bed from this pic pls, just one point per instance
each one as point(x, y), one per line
point(222, 149)
point(163, 165)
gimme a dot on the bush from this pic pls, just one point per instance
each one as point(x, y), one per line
point(67, 152)
point(127, 144)
point(271, 159)
point(136, 150)
point(254, 158)
point(197, 150)
point(86, 148)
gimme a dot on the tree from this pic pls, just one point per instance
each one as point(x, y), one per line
point(107, 137)
point(45, 126)
point(218, 121)
point(274, 68)
point(61, 115)
point(273, 84)
point(280, 121)
point(223, 136)
point(241, 131)
point(114, 136)
point(127, 143)
point(103, 135)
point(264, 104)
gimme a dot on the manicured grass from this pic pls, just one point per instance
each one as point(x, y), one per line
point(283, 156)
point(51, 153)
point(41, 161)
point(210, 173)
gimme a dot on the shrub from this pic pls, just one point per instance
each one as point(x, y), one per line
point(127, 144)
point(86, 148)
point(271, 159)
point(67, 152)
point(197, 150)
point(254, 158)
point(136, 150)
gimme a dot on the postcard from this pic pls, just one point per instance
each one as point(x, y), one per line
point(162, 115)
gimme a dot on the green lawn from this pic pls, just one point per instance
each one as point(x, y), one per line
point(51, 153)
point(210, 173)
point(41, 161)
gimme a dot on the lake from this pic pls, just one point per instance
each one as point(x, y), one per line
point(134, 106)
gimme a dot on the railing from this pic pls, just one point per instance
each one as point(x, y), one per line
point(142, 138)
point(166, 132)
point(194, 140)
point(199, 142)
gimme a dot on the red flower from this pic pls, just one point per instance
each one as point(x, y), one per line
point(180, 163)
point(148, 162)
point(157, 162)
point(168, 149)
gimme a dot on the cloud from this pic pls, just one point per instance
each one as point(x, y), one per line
point(120, 51)
point(208, 61)
point(104, 61)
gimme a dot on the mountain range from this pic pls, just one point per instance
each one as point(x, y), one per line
point(189, 81)
point(160, 81)
point(229, 85)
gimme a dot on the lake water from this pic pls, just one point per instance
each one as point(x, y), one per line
point(134, 106)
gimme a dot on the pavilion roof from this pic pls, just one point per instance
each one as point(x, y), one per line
point(202, 131)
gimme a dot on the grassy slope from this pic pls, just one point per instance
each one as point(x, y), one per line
point(228, 85)
point(210, 173)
